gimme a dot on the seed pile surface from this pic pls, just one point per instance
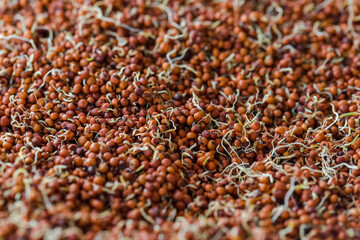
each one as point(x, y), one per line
point(179, 119)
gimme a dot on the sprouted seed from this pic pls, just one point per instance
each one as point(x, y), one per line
point(163, 119)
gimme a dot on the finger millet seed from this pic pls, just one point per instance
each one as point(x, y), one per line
point(179, 119)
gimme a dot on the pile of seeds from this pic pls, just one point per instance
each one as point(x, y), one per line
point(179, 119)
